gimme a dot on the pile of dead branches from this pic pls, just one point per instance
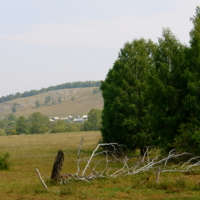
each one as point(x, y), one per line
point(111, 154)
point(109, 161)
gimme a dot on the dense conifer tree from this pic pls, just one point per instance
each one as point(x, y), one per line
point(125, 114)
point(152, 93)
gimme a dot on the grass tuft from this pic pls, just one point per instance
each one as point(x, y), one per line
point(4, 163)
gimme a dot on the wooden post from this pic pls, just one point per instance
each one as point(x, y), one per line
point(57, 167)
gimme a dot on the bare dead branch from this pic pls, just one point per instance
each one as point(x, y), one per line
point(112, 153)
point(78, 156)
point(40, 177)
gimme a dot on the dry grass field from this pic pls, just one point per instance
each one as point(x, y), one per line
point(30, 151)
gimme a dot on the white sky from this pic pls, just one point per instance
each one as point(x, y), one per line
point(46, 42)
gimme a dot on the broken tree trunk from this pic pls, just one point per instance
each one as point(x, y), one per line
point(57, 167)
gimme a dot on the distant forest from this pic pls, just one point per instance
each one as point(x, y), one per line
point(78, 84)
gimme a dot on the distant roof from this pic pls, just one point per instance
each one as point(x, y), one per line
point(64, 118)
point(78, 120)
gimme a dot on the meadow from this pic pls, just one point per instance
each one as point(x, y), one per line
point(27, 152)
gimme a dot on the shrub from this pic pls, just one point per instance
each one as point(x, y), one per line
point(13, 132)
point(189, 138)
point(2, 132)
point(4, 163)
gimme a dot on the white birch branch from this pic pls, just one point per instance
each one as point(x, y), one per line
point(147, 163)
point(43, 183)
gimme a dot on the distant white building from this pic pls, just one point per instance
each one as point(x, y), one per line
point(85, 117)
point(64, 118)
point(70, 118)
point(78, 120)
point(55, 118)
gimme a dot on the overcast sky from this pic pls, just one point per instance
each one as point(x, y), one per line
point(47, 42)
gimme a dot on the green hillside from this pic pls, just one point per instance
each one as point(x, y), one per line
point(84, 100)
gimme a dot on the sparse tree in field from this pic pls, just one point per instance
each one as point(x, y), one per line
point(14, 108)
point(38, 123)
point(37, 103)
point(59, 100)
point(47, 99)
point(21, 125)
point(94, 120)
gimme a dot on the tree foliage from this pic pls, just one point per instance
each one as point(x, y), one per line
point(8, 123)
point(21, 125)
point(47, 99)
point(37, 104)
point(38, 123)
point(153, 91)
point(14, 108)
point(94, 120)
point(125, 114)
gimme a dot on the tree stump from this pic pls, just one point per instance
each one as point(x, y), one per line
point(57, 167)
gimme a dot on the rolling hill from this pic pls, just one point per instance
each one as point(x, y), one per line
point(84, 100)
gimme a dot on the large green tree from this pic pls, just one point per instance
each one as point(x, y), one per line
point(166, 89)
point(188, 138)
point(152, 93)
point(125, 117)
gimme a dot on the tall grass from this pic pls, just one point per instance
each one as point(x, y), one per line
point(4, 162)
point(31, 151)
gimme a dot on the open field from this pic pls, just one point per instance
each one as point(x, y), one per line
point(84, 101)
point(30, 151)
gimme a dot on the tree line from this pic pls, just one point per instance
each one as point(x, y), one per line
point(152, 93)
point(37, 123)
point(78, 84)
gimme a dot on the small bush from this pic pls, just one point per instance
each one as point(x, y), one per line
point(2, 132)
point(4, 163)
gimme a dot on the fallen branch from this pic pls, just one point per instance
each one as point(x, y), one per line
point(112, 153)
point(43, 183)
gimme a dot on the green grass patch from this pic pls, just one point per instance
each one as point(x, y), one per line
point(4, 161)
point(31, 151)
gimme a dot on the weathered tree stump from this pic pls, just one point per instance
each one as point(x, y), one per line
point(57, 167)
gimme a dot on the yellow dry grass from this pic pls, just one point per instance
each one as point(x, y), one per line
point(31, 151)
